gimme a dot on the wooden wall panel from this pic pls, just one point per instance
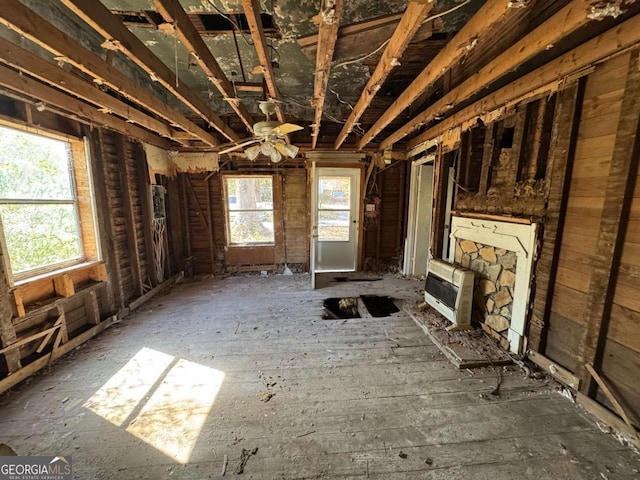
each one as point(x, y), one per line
point(383, 236)
point(601, 107)
point(203, 199)
point(296, 217)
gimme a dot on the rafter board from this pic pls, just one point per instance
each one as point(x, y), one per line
point(118, 37)
point(545, 79)
point(172, 12)
point(46, 72)
point(327, 35)
point(489, 14)
point(32, 88)
point(409, 24)
point(33, 27)
point(560, 25)
point(252, 12)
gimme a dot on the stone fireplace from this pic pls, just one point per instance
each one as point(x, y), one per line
point(501, 254)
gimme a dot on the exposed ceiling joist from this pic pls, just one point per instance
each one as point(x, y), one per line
point(413, 17)
point(77, 109)
point(18, 17)
point(46, 72)
point(564, 22)
point(353, 38)
point(119, 37)
point(173, 13)
point(252, 13)
point(546, 78)
point(329, 16)
point(489, 14)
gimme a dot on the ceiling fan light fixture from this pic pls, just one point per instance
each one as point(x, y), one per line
point(266, 148)
point(252, 152)
point(275, 156)
point(291, 150)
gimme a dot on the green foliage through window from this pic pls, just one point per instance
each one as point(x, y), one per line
point(37, 201)
point(250, 207)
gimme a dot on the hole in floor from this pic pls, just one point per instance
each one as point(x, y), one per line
point(379, 306)
point(347, 307)
point(339, 308)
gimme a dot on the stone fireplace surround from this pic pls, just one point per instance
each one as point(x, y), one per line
point(511, 237)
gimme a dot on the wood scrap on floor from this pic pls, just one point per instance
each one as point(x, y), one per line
point(466, 348)
point(244, 458)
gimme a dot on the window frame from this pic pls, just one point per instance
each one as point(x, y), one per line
point(79, 167)
point(228, 211)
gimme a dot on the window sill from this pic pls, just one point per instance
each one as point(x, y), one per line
point(60, 271)
point(61, 283)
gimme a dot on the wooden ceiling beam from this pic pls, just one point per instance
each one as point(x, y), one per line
point(32, 64)
point(311, 41)
point(173, 13)
point(33, 27)
point(489, 14)
point(327, 35)
point(543, 80)
point(252, 14)
point(119, 37)
point(413, 17)
point(564, 22)
point(78, 110)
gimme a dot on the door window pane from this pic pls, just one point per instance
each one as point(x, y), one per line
point(333, 226)
point(334, 192)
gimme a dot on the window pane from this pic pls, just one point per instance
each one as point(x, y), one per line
point(334, 192)
point(251, 227)
point(34, 167)
point(249, 193)
point(333, 226)
point(40, 235)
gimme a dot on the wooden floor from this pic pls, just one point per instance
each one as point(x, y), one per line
point(174, 389)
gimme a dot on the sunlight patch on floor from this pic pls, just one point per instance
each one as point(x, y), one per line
point(168, 399)
point(174, 415)
point(118, 398)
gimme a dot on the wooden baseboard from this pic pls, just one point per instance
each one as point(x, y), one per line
point(153, 292)
point(602, 414)
point(556, 371)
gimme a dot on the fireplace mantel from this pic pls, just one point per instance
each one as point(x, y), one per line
point(516, 237)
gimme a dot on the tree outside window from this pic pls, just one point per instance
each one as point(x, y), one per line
point(38, 202)
point(250, 209)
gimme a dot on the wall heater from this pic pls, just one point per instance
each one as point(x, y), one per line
point(449, 289)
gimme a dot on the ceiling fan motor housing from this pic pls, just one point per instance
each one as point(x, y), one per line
point(265, 129)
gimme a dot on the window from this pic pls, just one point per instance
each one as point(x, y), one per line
point(249, 209)
point(334, 208)
point(39, 206)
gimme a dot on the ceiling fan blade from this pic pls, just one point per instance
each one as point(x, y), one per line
point(239, 146)
point(281, 149)
point(287, 128)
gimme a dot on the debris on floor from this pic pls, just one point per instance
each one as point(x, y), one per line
point(244, 458)
point(267, 395)
point(465, 349)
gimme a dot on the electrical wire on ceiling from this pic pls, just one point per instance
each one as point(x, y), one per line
point(428, 19)
point(357, 129)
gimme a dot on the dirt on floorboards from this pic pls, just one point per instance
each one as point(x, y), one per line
point(242, 373)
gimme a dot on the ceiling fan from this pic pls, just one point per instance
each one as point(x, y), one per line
point(269, 137)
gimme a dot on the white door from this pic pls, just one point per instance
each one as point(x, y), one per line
point(336, 217)
point(419, 227)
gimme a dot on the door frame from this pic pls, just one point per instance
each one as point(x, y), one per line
point(312, 165)
point(411, 241)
